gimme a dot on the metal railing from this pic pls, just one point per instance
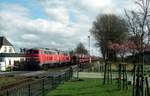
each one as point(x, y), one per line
point(38, 87)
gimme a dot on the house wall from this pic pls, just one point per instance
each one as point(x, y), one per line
point(8, 59)
point(9, 62)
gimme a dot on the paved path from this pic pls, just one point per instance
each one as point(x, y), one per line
point(91, 75)
point(98, 75)
point(101, 75)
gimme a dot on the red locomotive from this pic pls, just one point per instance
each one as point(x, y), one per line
point(44, 58)
point(38, 58)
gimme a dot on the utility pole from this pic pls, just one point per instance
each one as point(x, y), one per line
point(89, 48)
point(89, 45)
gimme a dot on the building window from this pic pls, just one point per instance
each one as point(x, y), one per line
point(10, 49)
point(9, 62)
point(5, 49)
point(1, 59)
point(16, 63)
point(21, 59)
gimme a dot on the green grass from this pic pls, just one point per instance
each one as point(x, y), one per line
point(9, 80)
point(89, 87)
point(57, 69)
point(6, 80)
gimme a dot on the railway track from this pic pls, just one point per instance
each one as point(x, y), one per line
point(35, 73)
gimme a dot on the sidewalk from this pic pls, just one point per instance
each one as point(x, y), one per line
point(89, 75)
point(92, 75)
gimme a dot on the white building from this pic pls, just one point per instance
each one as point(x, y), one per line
point(8, 56)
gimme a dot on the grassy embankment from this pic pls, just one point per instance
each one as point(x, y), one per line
point(6, 80)
point(89, 87)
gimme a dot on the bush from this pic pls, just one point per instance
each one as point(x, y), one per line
point(9, 69)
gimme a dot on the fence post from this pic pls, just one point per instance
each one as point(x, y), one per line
point(43, 89)
point(29, 89)
point(148, 93)
point(60, 79)
point(70, 73)
point(65, 76)
point(57, 81)
point(7, 93)
point(53, 82)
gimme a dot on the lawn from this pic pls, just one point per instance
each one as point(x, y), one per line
point(5, 80)
point(8, 80)
point(88, 87)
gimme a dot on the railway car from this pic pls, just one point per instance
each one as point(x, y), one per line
point(80, 59)
point(44, 58)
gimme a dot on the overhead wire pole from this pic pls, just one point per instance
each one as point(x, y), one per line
point(89, 48)
point(89, 45)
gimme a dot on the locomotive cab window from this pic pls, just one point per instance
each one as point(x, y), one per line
point(35, 52)
point(29, 52)
point(41, 52)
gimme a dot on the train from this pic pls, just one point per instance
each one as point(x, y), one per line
point(43, 58)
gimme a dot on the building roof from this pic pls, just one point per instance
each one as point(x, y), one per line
point(4, 41)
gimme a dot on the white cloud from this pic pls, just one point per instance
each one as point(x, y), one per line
point(58, 14)
point(31, 37)
point(14, 8)
point(68, 22)
point(98, 6)
point(27, 32)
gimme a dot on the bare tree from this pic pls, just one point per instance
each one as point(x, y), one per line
point(80, 49)
point(109, 27)
point(139, 24)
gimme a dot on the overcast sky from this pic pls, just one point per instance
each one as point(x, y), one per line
point(54, 23)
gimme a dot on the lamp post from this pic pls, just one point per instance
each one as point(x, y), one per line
point(89, 49)
point(89, 45)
